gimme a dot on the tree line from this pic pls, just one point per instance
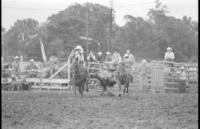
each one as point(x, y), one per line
point(146, 38)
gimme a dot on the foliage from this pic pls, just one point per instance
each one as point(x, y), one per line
point(147, 38)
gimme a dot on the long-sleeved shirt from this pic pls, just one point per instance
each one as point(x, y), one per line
point(91, 57)
point(100, 58)
point(169, 56)
point(116, 58)
point(31, 67)
point(15, 67)
point(129, 58)
point(108, 58)
point(182, 76)
point(76, 55)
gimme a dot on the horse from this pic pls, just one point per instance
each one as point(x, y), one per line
point(123, 77)
point(79, 77)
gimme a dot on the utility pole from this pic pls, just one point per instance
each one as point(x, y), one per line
point(110, 38)
point(87, 49)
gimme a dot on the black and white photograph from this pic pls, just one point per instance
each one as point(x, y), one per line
point(99, 64)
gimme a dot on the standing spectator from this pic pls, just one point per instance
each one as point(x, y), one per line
point(169, 55)
point(144, 70)
point(116, 58)
point(128, 58)
point(108, 57)
point(16, 67)
point(108, 60)
point(182, 80)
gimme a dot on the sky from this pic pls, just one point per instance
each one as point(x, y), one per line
point(40, 10)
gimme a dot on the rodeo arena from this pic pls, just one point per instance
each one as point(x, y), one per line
point(98, 88)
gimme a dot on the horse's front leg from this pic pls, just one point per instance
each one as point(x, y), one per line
point(127, 87)
point(119, 88)
point(80, 89)
point(124, 90)
point(86, 85)
point(74, 89)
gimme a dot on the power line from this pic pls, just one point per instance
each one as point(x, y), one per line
point(48, 9)
point(37, 9)
point(130, 5)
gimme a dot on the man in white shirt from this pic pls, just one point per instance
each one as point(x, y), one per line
point(182, 80)
point(144, 71)
point(116, 58)
point(16, 67)
point(108, 60)
point(91, 57)
point(169, 55)
point(128, 58)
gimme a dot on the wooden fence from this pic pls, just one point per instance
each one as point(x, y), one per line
point(162, 78)
point(165, 76)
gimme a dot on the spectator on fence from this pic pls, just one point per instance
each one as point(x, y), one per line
point(16, 67)
point(116, 59)
point(182, 80)
point(169, 55)
point(100, 57)
point(32, 68)
point(128, 58)
point(108, 61)
point(91, 57)
point(108, 57)
point(144, 71)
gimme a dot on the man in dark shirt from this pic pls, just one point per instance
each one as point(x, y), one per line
point(32, 69)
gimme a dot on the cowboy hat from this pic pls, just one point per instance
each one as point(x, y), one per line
point(144, 61)
point(107, 52)
point(16, 57)
point(99, 53)
point(169, 48)
point(31, 60)
point(78, 47)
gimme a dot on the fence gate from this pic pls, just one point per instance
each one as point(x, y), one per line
point(93, 67)
point(157, 82)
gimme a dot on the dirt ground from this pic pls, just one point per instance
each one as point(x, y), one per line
point(63, 110)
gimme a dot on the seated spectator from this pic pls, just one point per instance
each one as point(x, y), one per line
point(100, 57)
point(32, 69)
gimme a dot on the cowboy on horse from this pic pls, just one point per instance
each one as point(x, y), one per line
point(77, 54)
point(79, 71)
